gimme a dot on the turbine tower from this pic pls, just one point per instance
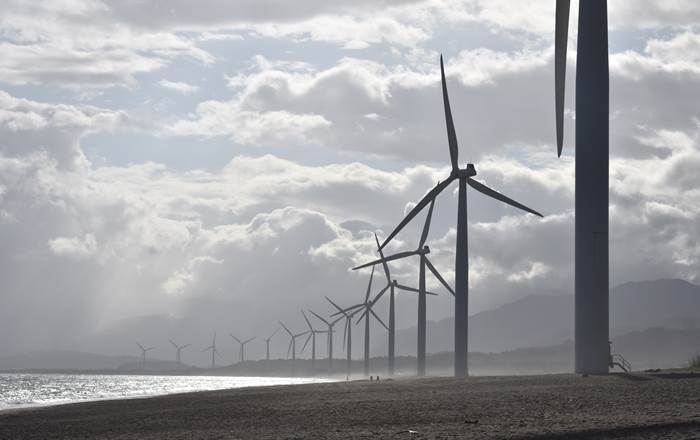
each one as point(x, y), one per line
point(178, 350)
point(143, 354)
point(330, 325)
point(422, 252)
point(347, 334)
point(591, 290)
point(267, 344)
point(214, 351)
point(465, 177)
point(242, 344)
point(312, 338)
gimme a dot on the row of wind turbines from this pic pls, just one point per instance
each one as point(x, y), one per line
point(365, 308)
point(591, 228)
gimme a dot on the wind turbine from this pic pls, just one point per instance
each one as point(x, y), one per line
point(592, 320)
point(366, 307)
point(393, 285)
point(178, 349)
point(330, 325)
point(143, 354)
point(214, 351)
point(267, 343)
point(242, 343)
point(465, 177)
point(347, 333)
point(422, 252)
point(292, 343)
point(312, 337)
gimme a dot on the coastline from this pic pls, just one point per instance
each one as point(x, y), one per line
point(564, 405)
point(231, 383)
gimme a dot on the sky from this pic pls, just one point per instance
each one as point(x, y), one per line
point(218, 166)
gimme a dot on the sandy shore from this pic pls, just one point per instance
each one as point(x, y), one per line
point(556, 406)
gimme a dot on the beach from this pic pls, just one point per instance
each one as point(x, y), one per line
point(547, 406)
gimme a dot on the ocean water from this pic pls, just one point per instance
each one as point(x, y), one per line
point(25, 390)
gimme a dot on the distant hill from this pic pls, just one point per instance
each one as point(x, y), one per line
point(544, 320)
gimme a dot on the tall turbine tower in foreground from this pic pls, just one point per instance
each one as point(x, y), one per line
point(464, 175)
point(592, 320)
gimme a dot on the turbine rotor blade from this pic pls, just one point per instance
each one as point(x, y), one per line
point(381, 256)
point(319, 317)
point(378, 318)
point(307, 321)
point(379, 295)
point(426, 226)
point(289, 349)
point(561, 40)
point(285, 327)
point(451, 135)
point(414, 290)
point(416, 209)
point(334, 304)
point(438, 276)
point(248, 340)
point(498, 196)
point(306, 343)
point(396, 256)
point(362, 316)
point(273, 333)
point(174, 344)
point(237, 340)
point(344, 311)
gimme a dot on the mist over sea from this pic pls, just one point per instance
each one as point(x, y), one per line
point(26, 390)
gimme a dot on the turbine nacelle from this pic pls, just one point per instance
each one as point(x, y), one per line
point(462, 173)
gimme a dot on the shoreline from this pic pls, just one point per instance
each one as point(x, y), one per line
point(564, 406)
point(282, 381)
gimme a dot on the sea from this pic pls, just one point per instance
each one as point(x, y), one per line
point(28, 390)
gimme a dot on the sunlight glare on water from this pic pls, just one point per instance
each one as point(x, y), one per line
point(22, 390)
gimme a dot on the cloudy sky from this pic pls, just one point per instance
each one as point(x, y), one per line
point(223, 164)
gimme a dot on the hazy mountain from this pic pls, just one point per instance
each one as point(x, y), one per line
point(543, 320)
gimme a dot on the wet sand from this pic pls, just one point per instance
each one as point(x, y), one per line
point(554, 406)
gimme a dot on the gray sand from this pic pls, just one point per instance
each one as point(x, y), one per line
point(556, 406)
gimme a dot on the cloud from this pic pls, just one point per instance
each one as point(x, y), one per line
point(176, 86)
point(75, 247)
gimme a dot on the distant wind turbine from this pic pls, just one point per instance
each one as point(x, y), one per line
point(242, 344)
point(330, 330)
point(347, 333)
point(292, 343)
point(393, 285)
point(267, 343)
point(366, 308)
point(465, 177)
point(143, 354)
point(422, 252)
point(214, 351)
point(178, 349)
point(312, 338)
